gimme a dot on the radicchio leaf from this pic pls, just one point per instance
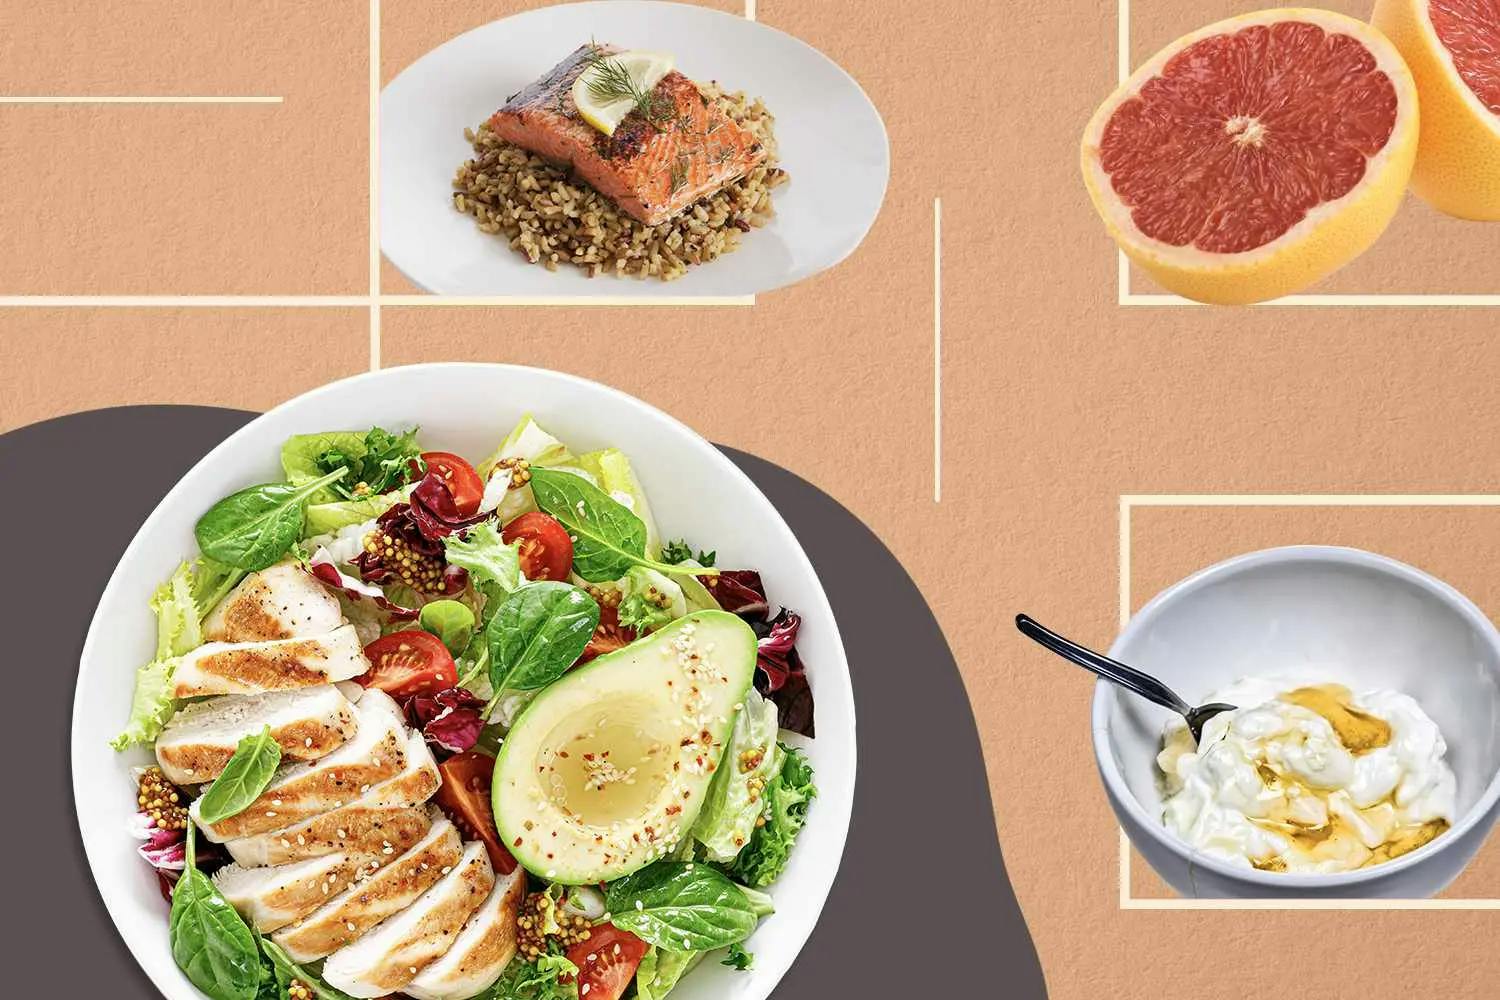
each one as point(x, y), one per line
point(739, 591)
point(327, 572)
point(779, 674)
point(434, 512)
point(401, 521)
point(450, 719)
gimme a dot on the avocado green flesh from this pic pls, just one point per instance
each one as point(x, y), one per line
point(606, 770)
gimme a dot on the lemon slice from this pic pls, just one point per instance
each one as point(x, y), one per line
point(614, 86)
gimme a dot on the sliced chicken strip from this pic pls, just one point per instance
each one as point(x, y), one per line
point(308, 724)
point(278, 665)
point(482, 949)
point(281, 602)
point(391, 955)
point(387, 892)
point(274, 897)
point(378, 820)
point(298, 791)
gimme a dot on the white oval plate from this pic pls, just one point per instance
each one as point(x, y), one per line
point(695, 492)
point(832, 142)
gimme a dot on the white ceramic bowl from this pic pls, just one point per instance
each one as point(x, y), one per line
point(695, 492)
point(831, 138)
point(1377, 623)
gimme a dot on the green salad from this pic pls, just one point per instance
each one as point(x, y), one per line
point(445, 729)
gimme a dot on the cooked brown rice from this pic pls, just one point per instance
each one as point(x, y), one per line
point(553, 217)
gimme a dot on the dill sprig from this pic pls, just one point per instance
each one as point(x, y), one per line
point(610, 81)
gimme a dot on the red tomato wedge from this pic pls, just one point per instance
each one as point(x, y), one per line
point(606, 962)
point(460, 478)
point(546, 549)
point(609, 636)
point(465, 796)
point(409, 663)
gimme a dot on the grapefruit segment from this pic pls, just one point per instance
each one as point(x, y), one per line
point(1250, 159)
point(1453, 48)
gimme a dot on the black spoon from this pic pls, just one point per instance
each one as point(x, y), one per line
point(1129, 678)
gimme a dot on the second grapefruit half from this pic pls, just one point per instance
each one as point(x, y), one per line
point(1453, 48)
point(1252, 158)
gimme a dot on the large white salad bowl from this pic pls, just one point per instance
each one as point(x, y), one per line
point(695, 492)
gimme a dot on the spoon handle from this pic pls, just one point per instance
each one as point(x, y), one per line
point(1145, 685)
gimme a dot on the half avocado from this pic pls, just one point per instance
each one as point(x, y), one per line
point(606, 769)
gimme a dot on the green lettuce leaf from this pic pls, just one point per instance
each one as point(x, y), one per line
point(494, 566)
point(300, 453)
point(327, 518)
point(737, 796)
point(787, 799)
point(659, 971)
point(612, 469)
point(530, 442)
point(180, 605)
point(551, 977)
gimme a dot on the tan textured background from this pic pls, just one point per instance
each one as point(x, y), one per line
point(1056, 402)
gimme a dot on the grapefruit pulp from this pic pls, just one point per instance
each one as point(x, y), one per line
point(1252, 158)
point(1453, 49)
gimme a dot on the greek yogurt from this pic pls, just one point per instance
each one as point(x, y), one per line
point(1307, 776)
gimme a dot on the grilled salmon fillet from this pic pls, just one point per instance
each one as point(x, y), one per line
point(654, 165)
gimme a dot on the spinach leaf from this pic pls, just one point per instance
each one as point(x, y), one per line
point(253, 528)
point(246, 775)
point(451, 621)
point(287, 970)
point(537, 633)
point(607, 538)
point(211, 944)
point(681, 906)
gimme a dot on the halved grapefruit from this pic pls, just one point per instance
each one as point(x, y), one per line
point(1453, 49)
point(1250, 159)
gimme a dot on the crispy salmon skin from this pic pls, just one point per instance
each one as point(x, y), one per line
point(655, 165)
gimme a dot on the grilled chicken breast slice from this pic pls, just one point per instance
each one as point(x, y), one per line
point(482, 949)
point(347, 916)
point(308, 724)
point(277, 665)
point(389, 957)
point(376, 753)
point(379, 820)
point(270, 898)
point(281, 602)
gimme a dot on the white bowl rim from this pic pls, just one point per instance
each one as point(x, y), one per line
point(838, 802)
point(842, 254)
point(1105, 693)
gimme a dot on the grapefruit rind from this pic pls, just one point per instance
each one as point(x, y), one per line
point(1332, 233)
point(1458, 157)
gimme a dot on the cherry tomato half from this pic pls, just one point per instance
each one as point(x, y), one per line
point(606, 962)
point(408, 663)
point(546, 550)
point(465, 796)
point(460, 478)
point(608, 636)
